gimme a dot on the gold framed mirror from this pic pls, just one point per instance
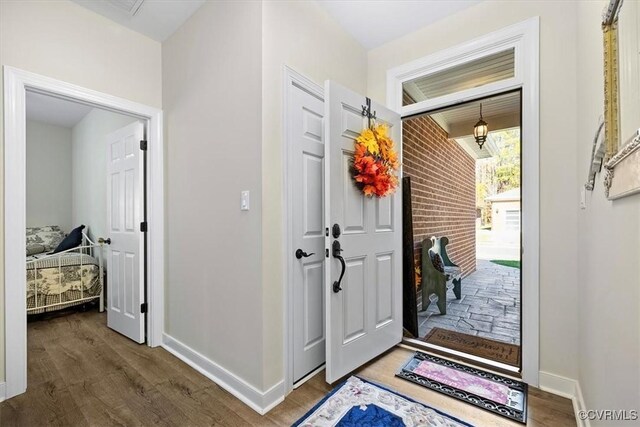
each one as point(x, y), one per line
point(621, 37)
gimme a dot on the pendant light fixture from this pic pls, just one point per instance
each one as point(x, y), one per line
point(480, 130)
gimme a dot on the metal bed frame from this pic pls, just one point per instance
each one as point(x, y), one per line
point(87, 247)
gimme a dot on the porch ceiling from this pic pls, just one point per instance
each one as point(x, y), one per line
point(501, 113)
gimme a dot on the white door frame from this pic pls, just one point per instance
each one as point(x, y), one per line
point(524, 38)
point(16, 83)
point(291, 79)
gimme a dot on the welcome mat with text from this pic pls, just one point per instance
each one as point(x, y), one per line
point(478, 346)
point(501, 395)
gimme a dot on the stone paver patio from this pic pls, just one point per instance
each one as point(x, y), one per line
point(489, 307)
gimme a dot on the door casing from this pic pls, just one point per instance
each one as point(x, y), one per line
point(524, 38)
point(292, 79)
point(16, 83)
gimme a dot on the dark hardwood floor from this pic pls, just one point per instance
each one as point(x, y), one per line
point(80, 373)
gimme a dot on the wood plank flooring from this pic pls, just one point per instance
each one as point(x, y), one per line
point(80, 373)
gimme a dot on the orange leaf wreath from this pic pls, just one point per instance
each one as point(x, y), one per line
point(375, 162)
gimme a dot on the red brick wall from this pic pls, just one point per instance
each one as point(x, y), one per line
point(443, 191)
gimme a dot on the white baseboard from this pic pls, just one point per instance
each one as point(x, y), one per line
point(579, 405)
point(3, 391)
point(565, 387)
point(259, 401)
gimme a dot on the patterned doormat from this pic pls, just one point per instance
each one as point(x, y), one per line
point(477, 346)
point(486, 390)
point(357, 402)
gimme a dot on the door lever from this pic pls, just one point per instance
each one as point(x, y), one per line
point(300, 253)
point(336, 249)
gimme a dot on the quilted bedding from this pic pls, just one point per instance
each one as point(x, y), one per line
point(61, 280)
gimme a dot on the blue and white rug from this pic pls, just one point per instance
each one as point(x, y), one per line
point(360, 403)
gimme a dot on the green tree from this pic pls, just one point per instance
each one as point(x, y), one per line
point(499, 173)
point(508, 160)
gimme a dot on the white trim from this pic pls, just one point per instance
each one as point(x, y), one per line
point(423, 345)
point(579, 405)
point(524, 37)
point(3, 392)
point(565, 387)
point(310, 375)
point(16, 82)
point(291, 78)
point(261, 402)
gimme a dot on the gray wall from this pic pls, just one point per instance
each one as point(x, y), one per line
point(65, 41)
point(48, 175)
point(211, 70)
point(608, 248)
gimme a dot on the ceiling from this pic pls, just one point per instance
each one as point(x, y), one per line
point(374, 23)
point(157, 19)
point(371, 23)
point(55, 111)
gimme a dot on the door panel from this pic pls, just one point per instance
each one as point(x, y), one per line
point(307, 138)
point(355, 294)
point(125, 283)
point(364, 318)
point(313, 284)
point(313, 213)
point(384, 289)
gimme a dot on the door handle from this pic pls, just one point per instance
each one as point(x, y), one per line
point(300, 253)
point(104, 241)
point(336, 254)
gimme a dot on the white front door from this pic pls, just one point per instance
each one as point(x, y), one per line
point(125, 289)
point(307, 151)
point(364, 317)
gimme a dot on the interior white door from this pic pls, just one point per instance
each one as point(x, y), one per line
point(307, 151)
point(125, 290)
point(364, 318)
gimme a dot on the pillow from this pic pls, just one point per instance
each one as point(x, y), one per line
point(73, 240)
point(35, 248)
point(49, 236)
point(436, 260)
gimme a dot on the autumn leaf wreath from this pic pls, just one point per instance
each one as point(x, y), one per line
point(375, 162)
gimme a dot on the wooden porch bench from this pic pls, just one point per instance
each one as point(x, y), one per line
point(435, 281)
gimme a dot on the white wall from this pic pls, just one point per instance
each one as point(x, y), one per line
point(89, 168)
point(302, 35)
point(68, 42)
point(608, 249)
point(212, 90)
point(48, 175)
point(558, 182)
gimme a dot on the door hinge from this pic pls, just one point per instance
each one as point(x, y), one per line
point(143, 145)
point(143, 307)
point(143, 227)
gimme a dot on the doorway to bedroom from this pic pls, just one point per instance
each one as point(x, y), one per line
point(133, 284)
point(85, 224)
point(84, 212)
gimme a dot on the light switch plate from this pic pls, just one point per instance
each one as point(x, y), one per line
point(244, 201)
